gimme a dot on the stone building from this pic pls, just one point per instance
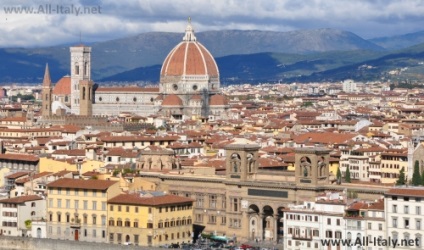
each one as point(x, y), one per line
point(189, 87)
point(247, 202)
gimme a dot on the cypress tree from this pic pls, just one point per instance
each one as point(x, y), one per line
point(401, 180)
point(347, 176)
point(416, 176)
point(339, 176)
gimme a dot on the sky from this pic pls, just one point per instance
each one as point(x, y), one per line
point(61, 22)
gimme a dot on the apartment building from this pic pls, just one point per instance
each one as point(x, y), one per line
point(404, 215)
point(77, 209)
point(16, 211)
point(150, 219)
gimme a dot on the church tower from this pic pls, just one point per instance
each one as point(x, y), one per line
point(242, 160)
point(86, 97)
point(46, 93)
point(80, 70)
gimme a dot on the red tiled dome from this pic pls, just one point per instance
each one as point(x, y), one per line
point(172, 100)
point(217, 100)
point(63, 86)
point(189, 57)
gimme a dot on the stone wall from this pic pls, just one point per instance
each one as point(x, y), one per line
point(23, 243)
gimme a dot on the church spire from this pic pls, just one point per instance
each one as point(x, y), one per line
point(189, 32)
point(47, 80)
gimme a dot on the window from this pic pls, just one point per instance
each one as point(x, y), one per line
point(224, 202)
point(212, 201)
point(103, 220)
point(127, 209)
point(136, 224)
point(103, 205)
point(119, 208)
point(406, 198)
point(380, 226)
point(369, 225)
point(406, 223)
point(59, 203)
point(329, 234)
point(111, 207)
point(418, 210)
point(136, 209)
point(406, 209)
point(111, 237)
point(328, 221)
point(68, 203)
point(127, 223)
point(199, 200)
point(94, 220)
point(76, 204)
point(85, 192)
point(394, 208)
point(338, 222)
point(394, 222)
point(85, 204)
point(94, 205)
point(234, 204)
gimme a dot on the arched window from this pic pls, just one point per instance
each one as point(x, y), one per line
point(83, 93)
point(76, 69)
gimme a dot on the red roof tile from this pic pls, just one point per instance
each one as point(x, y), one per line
point(81, 184)
point(136, 199)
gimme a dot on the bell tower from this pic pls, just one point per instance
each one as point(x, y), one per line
point(241, 160)
point(80, 70)
point(312, 166)
point(46, 93)
point(86, 97)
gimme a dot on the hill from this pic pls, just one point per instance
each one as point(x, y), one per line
point(120, 55)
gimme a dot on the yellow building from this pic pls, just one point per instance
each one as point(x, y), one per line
point(391, 164)
point(52, 165)
point(77, 209)
point(150, 219)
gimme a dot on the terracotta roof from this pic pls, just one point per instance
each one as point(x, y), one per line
point(412, 191)
point(126, 89)
point(172, 100)
point(63, 86)
point(19, 157)
point(81, 184)
point(21, 199)
point(189, 58)
point(135, 199)
point(379, 205)
point(218, 100)
point(72, 152)
point(14, 119)
point(36, 176)
point(326, 138)
point(16, 175)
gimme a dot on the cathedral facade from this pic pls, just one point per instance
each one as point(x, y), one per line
point(189, 87)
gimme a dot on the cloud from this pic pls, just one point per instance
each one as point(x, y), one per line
point(115, 19)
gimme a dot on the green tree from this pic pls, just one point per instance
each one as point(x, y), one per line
point(339, 176)
point(416, 176)
point(347, 175)
point(401, 180)
point(422, 178)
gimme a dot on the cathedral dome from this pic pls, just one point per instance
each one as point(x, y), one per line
point(189, 58)
point(172, 100)
point(63, 86)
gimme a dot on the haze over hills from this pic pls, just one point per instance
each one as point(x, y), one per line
point(262, 54)
point(399, 42)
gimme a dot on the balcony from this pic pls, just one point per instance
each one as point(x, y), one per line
point(301, 237)
point(75, 223)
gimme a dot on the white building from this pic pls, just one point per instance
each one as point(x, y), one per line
point(306, 225)
point(15, 211)
point(349, 86)
point(404, 216)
